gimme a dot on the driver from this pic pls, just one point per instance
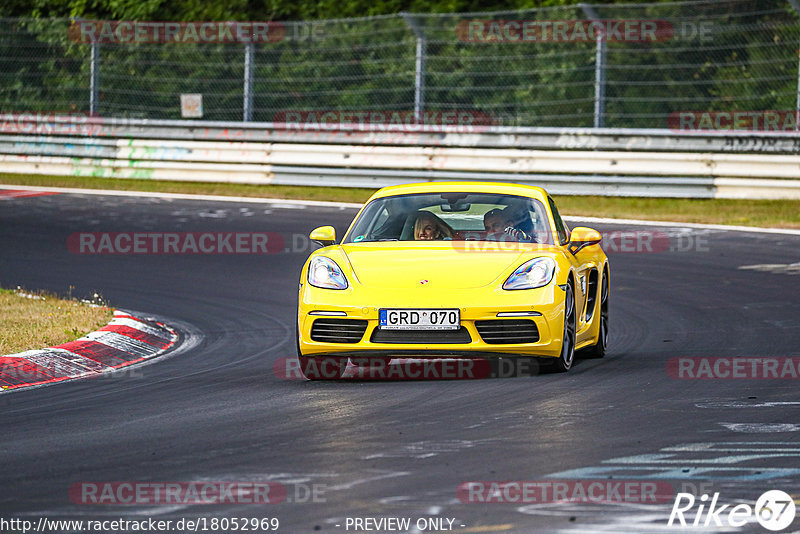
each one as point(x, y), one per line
point(499, 221)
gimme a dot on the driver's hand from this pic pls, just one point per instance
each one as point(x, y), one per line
point(517, 234)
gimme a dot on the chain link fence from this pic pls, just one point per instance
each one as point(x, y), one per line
point(632, 65)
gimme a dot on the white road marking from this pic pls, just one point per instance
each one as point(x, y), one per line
point(742, 404)
point(350, 485)
point(787, 268)
point(758, 428)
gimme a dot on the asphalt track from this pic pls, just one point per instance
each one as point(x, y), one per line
point(215, 411)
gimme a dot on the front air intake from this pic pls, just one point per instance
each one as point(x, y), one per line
point(508, 331)
point(338, 330)
point(421, 337)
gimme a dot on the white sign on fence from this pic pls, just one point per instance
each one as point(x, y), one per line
point(192, 106)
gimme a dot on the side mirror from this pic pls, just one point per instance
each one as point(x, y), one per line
point(583, 237)
point(324, 235)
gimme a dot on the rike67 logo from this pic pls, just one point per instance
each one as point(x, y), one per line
point(774, 510)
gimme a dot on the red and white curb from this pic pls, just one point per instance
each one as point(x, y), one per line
point(124, 341)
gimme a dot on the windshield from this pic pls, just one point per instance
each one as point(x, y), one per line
point(452, 217)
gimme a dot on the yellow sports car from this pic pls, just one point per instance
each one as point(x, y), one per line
point(453, 270)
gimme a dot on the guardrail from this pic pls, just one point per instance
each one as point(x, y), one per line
point(656, 140)
point(590, 161)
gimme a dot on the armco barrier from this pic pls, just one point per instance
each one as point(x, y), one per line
point(548, 138)
point(604, 162)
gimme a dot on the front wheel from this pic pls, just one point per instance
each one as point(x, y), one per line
point(564, 361)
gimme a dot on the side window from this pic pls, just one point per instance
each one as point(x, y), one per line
point(561, 228)
point(381, 218)
point(373, 223)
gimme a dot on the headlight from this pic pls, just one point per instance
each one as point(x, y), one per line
point(532, 274)
point(323, 272)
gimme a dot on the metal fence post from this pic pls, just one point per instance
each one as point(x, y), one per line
point(796, 6)
point(599, 70)
point(247, 106)
point(419, 78)
point(94, 79)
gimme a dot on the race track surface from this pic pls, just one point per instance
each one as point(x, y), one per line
point(216, 411)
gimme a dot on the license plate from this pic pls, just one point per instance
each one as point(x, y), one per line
point(420, 319)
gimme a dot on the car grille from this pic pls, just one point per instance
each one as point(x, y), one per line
point(498, 332)
point(421, 336)
point(338, 330)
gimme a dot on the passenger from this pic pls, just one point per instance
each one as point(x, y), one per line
point(429, 227)
point(498, 221)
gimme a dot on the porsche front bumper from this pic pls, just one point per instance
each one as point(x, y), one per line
point(480, 309)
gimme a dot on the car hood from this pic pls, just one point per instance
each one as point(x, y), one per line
point(447, 265)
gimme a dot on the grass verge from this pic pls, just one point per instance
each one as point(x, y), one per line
point(39, 320)
point(765, 213)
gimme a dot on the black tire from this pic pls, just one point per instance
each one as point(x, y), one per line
point(598, 350)
point(564, 361)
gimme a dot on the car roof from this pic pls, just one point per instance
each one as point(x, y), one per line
point(503, 188)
